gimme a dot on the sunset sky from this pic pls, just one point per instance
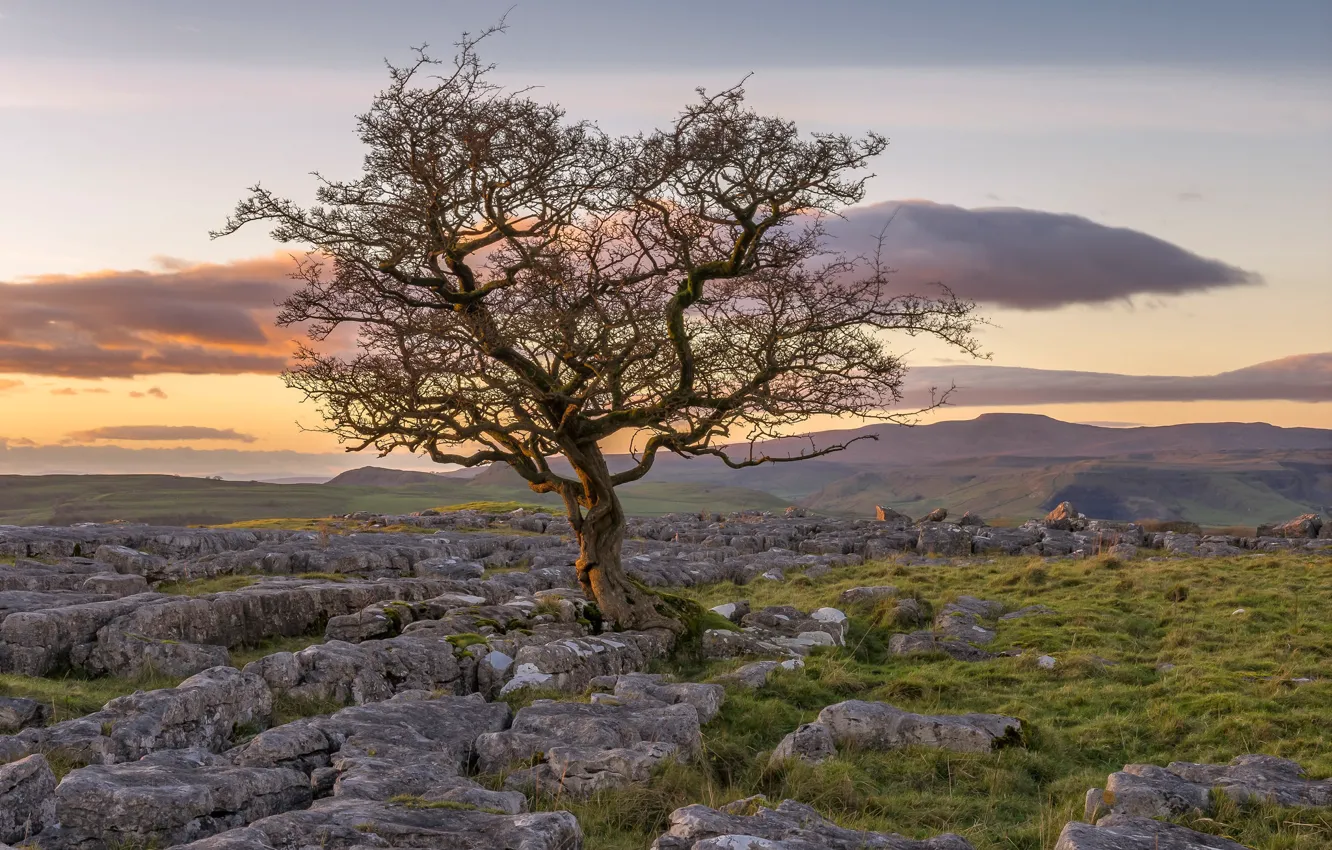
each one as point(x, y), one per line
point(1140, 190)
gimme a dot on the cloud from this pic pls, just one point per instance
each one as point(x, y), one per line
point(155, 392)
point(6, 384)
point(65, 391)
point(192, 319)
point(218, 318)
point(158, 433)
point(1026, 259)
point(1189, 196)
point(1303, 377)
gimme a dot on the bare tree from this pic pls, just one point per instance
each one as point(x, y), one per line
point(525, 287)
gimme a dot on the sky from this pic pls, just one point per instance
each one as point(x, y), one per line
point(1138, 194)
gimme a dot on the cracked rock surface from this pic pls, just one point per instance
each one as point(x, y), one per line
point(750, 823)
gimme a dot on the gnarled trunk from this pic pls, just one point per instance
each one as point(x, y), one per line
point(600, 527)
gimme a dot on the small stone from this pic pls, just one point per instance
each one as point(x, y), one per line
point(1046, 662)
point(828, 615)
point(866, 594)
point(883, 514)
point(18, 713)
point(27, 798)
point(810, 742)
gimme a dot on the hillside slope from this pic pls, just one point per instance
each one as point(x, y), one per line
point(1212, 489)
point(1001, 465)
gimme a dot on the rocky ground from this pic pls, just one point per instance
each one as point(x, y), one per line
point(447, 685)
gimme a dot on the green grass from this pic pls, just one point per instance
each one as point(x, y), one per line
point(408, 801)
point(243, 656)
point(176, 500)
point(287, 708)
point(71, 697)
point(1229, 693)
point(496, 507)
point(202, 586)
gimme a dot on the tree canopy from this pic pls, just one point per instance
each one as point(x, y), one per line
point(525, 287)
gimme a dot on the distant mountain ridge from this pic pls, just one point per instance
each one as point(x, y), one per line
point(1003, 466)
point(376, 476)
point(1009, 465)
point(994, 434)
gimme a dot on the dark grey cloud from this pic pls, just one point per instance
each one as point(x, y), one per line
point(204, 319)
point(1303, 377)
point(1026, 259)
point(159, 433)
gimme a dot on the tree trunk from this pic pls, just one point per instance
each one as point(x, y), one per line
point(600, 533)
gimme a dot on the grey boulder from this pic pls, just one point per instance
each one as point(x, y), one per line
point(751, 824)
point(811, 742)
point(880, 726)
point(170, 797)
point(1120, 832)
point(1146, 790)
point(349, 823)
point(17, 713)
point(27, 801)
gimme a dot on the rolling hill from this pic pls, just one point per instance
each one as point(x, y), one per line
point(1000, 465)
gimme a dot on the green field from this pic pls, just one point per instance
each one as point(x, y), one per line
point(1107, 703)
point(172, 500)
point(1216, 490)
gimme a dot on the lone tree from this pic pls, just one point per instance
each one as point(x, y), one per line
point(525, 287)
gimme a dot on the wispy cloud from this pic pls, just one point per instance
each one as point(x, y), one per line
point(155, 392)
point(6, 384)
point(158, 433)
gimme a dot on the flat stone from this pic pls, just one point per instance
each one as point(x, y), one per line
point(545, 724)
point(866, 594)
point(929, 642)
point(350, 823)
point(1136, 833)
point(757, 674)
point(18, 713)
point(811, 742)
point(583, 771)
point(171, 797)
point(27, 798)
point(1146, 790)
point(880, 726)
point(752, 824)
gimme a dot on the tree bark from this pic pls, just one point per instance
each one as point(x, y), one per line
point(600, 531)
